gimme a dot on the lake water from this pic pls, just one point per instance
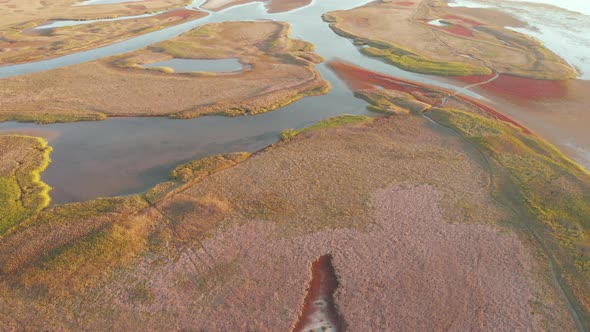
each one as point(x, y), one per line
point(193, 65)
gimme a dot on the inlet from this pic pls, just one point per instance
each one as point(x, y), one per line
point(319, 311)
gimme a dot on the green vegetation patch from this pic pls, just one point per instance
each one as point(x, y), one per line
point(420, 64)
point(199, 169)
point(409, 60)
point(549, 193)
point(337, 121)
point(391, 102)
point(53, 117)
point(22, 193)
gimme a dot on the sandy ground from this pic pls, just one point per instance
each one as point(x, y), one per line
point(402, 207)
point(119, 86)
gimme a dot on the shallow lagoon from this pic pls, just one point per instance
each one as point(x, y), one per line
point(197, 65)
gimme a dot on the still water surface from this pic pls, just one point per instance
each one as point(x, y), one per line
point(195, 65)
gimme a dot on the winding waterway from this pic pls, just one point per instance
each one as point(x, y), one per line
point(121, 156)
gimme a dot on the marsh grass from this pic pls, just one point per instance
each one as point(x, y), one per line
point(199, 169)
point(54, 117)
point(549, 193)
point(23, 193)
point(73, 268)
point(389, 103)
point(421, 64)
point(408, 60)
point(337, 121)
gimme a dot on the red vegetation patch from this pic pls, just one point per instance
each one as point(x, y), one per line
point(521, 87)
point(463, 20)
point(458, 30)
point(360, 78)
